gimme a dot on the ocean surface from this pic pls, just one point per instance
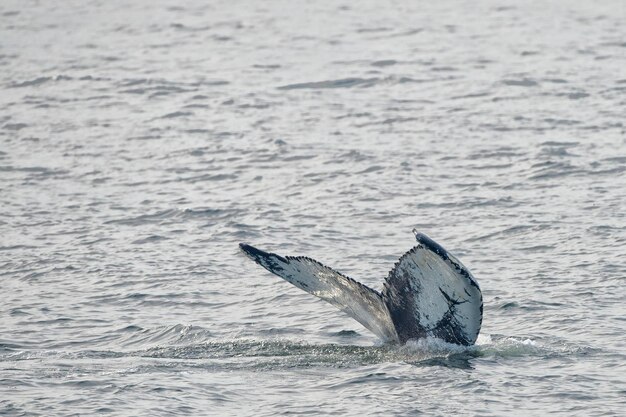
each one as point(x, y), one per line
point(141, 141)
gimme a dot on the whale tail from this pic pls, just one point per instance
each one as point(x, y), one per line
point(428, 293)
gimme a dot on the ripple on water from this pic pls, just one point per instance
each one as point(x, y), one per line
point(140, 145)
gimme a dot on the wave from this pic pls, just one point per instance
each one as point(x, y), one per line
point(190, 343)
point(283, 354)
point(206, 349)
point(174, 215)
point(348, 83)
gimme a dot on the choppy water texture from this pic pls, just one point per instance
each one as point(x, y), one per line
point(141, 141)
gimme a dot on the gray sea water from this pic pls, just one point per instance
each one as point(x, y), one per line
point(141, 141)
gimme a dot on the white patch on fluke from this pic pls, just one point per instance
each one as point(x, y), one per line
point(438, 292)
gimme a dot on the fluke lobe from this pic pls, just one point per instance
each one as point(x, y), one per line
point(428, 293)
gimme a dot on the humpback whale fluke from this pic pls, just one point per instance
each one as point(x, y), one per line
point(428, 293)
